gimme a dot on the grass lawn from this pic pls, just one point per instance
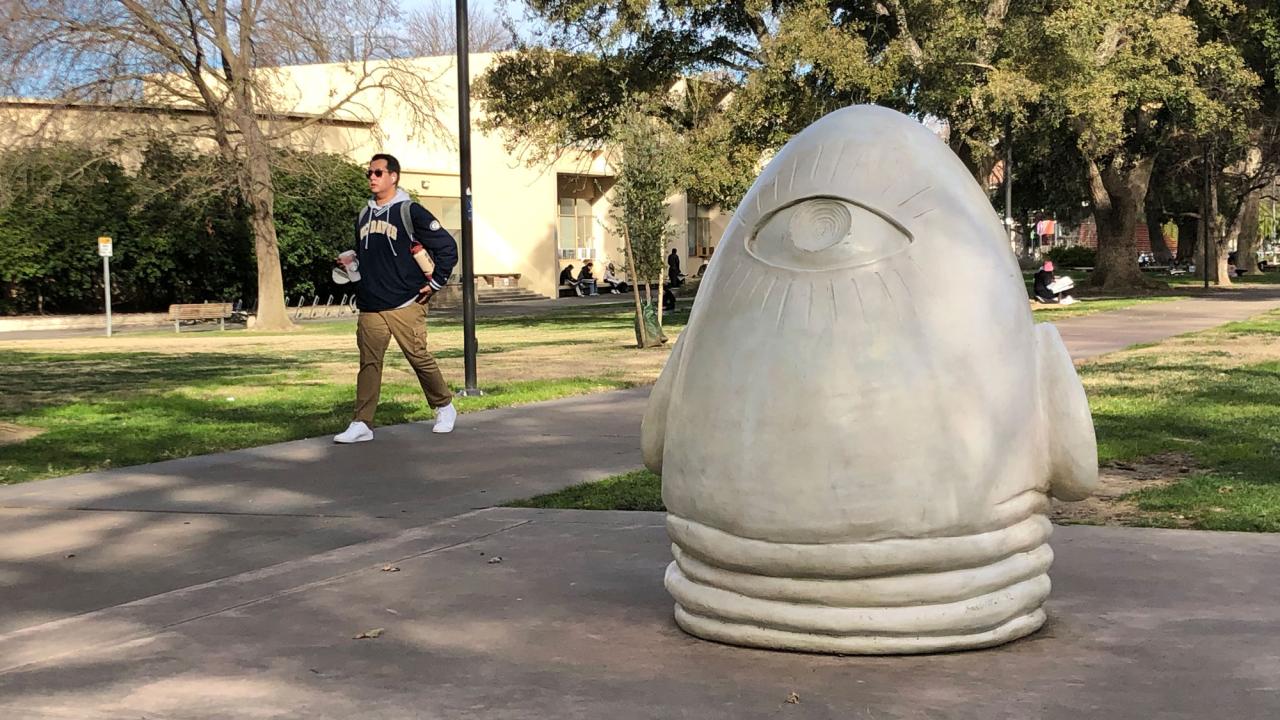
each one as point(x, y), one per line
point(1188, 436)
point(85, 403)
point(1270, 277)
point(1089, 306)
point(79, 404)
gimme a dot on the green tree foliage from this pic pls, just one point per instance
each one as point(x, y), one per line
point(315, 208)
point(760, 72)
point(189, 242)
point(646, 179)
point(55, 204)
point(175, 240)
point(1093, 91)
point(1153, 76)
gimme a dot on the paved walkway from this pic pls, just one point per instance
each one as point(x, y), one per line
point(574, 623)
point(166, 589)
point(1092, 335)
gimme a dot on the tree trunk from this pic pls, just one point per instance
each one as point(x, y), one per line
point(1249, 241)
point(642, 335)
point(1119, 192)
point(1201, 258)
point(979, 167)
point(1242, 219)
point(1188, 227)
point(1030, 240)
point(1219, 238)
point(1155, 230)
point(259, 193)
point(660, 300)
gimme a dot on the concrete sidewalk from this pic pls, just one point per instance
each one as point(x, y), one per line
point(574, 623)
point(75, 544)
point(1088, 336)
point(110, 560)
point(85, 542)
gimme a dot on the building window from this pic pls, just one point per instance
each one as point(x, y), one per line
point(575, 223)
point(576, 198)
point(699, 225)
point(448, 210)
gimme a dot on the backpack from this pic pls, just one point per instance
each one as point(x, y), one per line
point(406, 219)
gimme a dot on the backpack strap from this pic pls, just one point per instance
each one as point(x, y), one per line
point(406, 219)
point(360, 223)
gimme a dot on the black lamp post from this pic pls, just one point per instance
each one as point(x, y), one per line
point(464, 152)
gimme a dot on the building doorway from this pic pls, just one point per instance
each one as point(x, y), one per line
point(580, 226)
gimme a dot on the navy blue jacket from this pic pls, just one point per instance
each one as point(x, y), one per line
point(389, 276)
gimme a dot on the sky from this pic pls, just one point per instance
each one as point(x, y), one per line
point(514, 8)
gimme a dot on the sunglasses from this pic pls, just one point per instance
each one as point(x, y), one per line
point(376, 173)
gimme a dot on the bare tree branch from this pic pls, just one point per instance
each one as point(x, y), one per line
point(135, 53)
point(430, 31)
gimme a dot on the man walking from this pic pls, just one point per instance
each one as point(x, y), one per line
point(393, 292)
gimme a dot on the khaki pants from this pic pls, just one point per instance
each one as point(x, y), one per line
point(408, 325)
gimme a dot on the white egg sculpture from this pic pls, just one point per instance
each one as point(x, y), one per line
point(859, 430)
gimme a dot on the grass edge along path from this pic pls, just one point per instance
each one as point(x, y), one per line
point(104, 433)
point(1188, 395)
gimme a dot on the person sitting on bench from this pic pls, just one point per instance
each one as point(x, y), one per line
point(1051, 289)
point(612, 282)
point(587, 279)
point(566, 278)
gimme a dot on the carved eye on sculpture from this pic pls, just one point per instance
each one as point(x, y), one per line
point(826, 234)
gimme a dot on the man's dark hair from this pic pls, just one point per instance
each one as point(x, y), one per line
point(393, 165)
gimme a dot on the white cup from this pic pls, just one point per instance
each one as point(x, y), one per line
point(350, 269)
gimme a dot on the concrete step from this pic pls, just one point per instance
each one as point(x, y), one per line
point(498, 295)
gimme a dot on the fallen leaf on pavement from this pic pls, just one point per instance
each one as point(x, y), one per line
point(369, 634)
point(495, 559)
point(793, 699)
point(390, 568)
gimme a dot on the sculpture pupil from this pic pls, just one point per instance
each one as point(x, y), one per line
point(819, 224)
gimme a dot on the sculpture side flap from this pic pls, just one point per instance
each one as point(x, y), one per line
point(1073, 448)
point(653, 430)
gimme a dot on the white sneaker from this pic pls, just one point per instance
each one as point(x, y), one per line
point(355, 432)
point(445, 418)
point(1068, 300)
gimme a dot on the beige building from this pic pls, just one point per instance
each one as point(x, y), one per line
point(530, 220)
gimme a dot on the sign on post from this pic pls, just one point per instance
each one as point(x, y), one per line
point(104, 249)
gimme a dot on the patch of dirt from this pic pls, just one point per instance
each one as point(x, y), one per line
point(1117, 479)
point(12, 434)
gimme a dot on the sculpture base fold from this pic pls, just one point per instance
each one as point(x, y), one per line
point(894, 599)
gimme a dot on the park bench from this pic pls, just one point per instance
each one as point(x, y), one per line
point(499, 279)
point(199, 311)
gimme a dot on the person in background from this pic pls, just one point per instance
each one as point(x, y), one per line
point(566, 278)
point(612, 282)
point(675, 277)
point(587, 278)
point(1044, 287)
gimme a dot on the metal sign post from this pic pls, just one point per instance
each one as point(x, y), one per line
point(104, 249)
point(469, 346)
